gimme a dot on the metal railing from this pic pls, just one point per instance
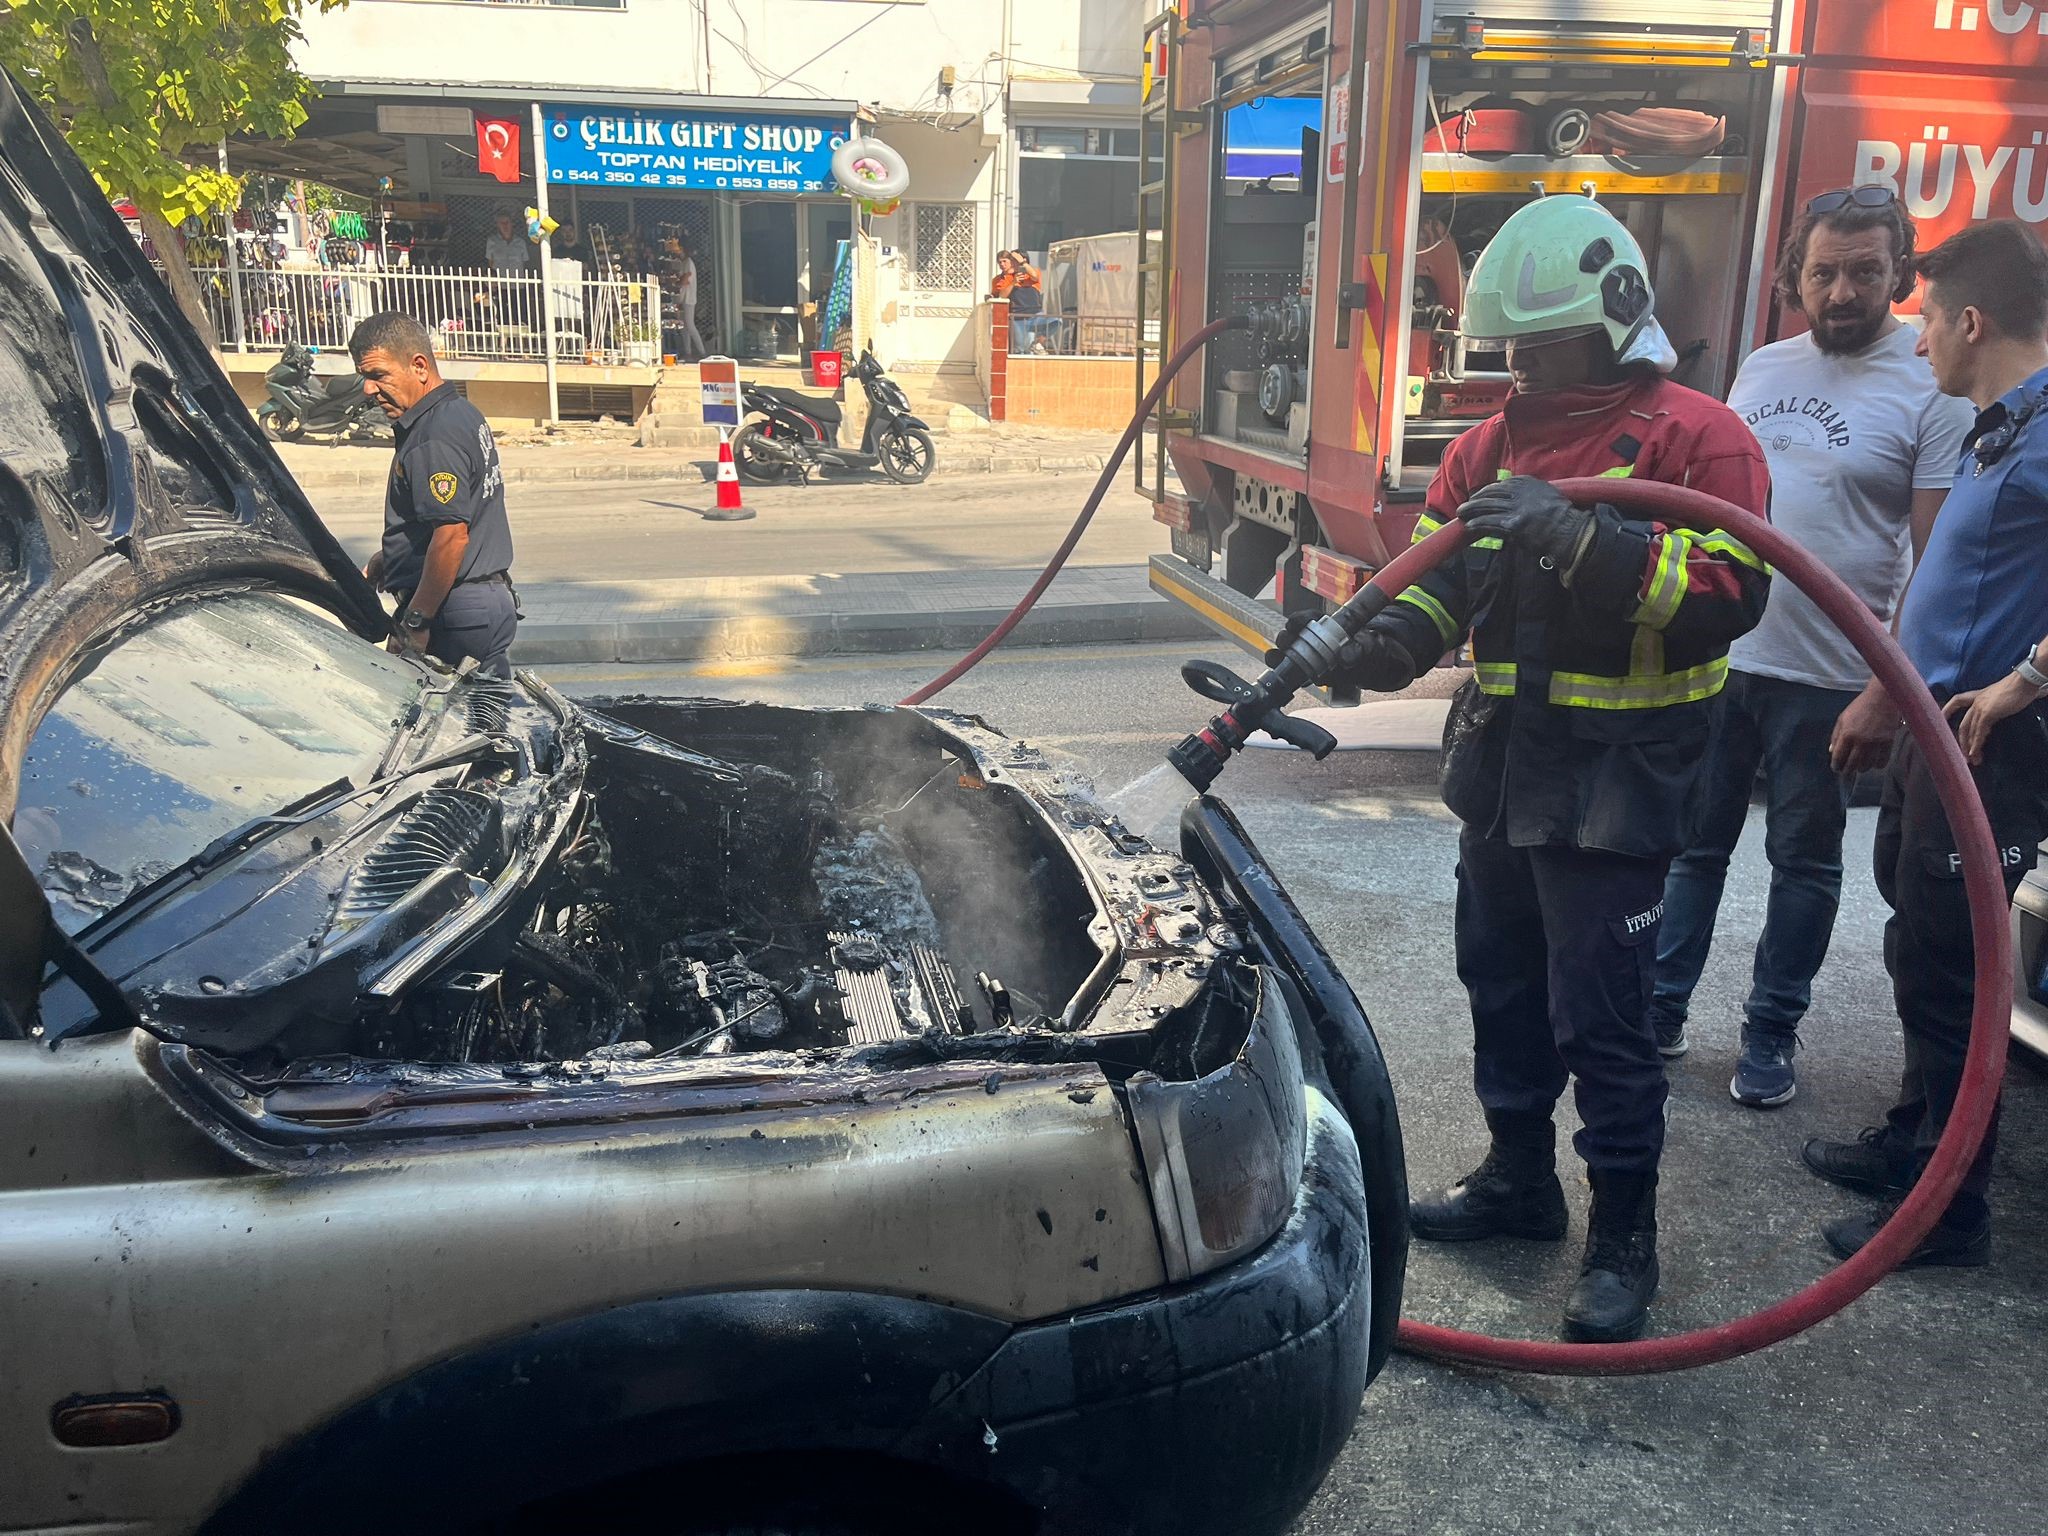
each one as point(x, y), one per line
point(1078, 335)
point(478, 315)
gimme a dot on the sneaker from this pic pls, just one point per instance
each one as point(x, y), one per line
point(1763, 1077)
point(1869, 1164)
point(1945, 1246)
point(1671, 1041)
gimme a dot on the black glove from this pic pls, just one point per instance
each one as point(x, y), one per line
point(1533, 514)
point(1374, 661)
point(1289, 633)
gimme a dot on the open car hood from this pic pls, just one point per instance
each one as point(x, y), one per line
point(128, 467)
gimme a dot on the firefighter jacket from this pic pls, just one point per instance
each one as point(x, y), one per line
point(1589, 709)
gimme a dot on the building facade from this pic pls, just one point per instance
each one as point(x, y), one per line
point(709, 126)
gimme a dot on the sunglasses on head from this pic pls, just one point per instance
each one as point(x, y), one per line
point(1862, 197)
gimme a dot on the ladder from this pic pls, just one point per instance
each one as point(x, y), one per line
point(1160, 130)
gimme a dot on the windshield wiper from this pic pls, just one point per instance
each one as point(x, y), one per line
point(259, 829)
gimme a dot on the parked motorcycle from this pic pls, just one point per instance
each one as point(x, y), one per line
point(788, 433)
point(302, 401)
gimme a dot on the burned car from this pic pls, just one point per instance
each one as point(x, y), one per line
point(428, 1105)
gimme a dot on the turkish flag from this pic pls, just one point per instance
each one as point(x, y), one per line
point(497, 147)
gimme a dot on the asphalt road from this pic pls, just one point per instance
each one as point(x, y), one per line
point(1917, 1411)
point(634, 530)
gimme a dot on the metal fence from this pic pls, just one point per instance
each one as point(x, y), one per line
point(1075, 335)
point(478, 315)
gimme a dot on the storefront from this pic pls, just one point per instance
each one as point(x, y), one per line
point(747, 194)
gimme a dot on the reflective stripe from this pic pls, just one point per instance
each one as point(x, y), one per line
point(1425, 526)
point(1583, 690)
point(1619, 472)
point(1586, 690)
point(1438, 614)
point(1718, 543)
point(1668, 581)
point(1496, 677)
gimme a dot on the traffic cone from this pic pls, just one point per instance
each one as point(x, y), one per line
point(729, 508)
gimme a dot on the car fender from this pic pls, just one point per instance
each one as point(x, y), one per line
point(593, 1399)
point(1216, 843)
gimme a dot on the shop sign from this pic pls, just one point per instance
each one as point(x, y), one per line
point(705, 151)
point(718, 379)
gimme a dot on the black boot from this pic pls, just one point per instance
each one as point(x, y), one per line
point(1611, 1302)
point(1513, 1193)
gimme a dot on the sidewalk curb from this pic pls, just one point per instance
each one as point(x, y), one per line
point(571, 474)
point(831, 634)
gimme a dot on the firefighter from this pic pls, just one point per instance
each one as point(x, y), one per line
point(1600, 642)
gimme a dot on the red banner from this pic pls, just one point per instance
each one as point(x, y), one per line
point(497, 147)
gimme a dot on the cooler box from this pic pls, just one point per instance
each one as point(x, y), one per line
point(828, 369)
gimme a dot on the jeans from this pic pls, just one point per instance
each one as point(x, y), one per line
point(1025, 331)
point(1556, 948)
point(1784, 727)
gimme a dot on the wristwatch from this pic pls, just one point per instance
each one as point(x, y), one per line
point(2032, 675)
point(415, 620)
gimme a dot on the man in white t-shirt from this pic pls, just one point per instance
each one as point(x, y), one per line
point(1861, 447)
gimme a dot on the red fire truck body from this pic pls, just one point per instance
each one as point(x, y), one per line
point(1291, 459)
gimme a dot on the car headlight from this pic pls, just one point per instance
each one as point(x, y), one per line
point(1223, 1154)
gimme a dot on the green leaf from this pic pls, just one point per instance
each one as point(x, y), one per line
point(148, 81)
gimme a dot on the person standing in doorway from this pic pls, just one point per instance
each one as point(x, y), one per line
point(447, 549)
point(506, 248)
point(683, 264)
point(1861, 447)
point(1973, 625)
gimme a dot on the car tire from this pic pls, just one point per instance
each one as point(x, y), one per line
point(757, 459)
point(908, 455)
point(280, 426)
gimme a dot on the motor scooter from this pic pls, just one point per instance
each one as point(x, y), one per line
point(302, 401)
point(788, 433)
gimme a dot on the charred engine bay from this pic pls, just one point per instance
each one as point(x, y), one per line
point(789, 880)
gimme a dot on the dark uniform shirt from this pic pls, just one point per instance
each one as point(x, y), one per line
point(446, 470)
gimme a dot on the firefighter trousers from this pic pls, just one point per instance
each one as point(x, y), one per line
point(1927, 945)
point(1557, 948)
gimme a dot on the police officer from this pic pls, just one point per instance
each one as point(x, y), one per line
point(1973, 624)
point(447, 550)
point(1599, 642)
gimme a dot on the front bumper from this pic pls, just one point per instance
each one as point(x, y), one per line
point(1213, 1409)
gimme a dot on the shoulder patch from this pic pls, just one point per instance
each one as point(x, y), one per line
point(443, 485)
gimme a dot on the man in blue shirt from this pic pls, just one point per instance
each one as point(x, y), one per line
point(1973, 624)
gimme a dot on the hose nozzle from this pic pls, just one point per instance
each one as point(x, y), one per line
point(1261, 706)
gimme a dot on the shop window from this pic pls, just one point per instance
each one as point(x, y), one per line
point(942, 257)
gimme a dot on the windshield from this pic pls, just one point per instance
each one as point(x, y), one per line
point(185, 729)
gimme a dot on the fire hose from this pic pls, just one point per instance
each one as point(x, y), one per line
point(1256, 706)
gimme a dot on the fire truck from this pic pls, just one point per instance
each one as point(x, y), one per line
point(1331, 171)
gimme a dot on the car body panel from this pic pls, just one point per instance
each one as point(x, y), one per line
point(131, 469)
point(1010, 1199)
